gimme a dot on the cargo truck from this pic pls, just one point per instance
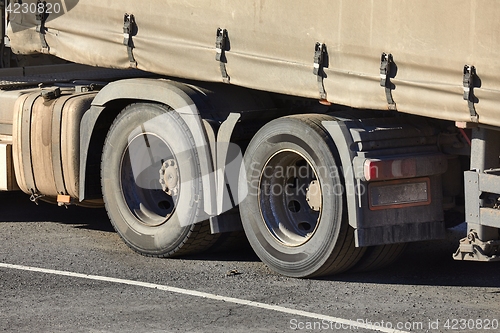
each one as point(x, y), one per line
point(331, 132)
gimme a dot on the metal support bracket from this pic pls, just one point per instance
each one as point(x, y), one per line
point(469, 84)
point(473, 249)
point(221, 44)
point(319, 64)
point(129, 26)
point(41, 18)
point(386, 68)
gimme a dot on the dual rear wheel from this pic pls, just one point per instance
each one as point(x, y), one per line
point(294, 215)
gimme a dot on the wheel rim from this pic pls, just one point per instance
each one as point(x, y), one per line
point(290, 198)
point(150, 181)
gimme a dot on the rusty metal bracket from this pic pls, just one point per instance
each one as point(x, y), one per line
point(473, 249)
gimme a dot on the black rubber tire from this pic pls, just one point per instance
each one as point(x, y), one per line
point(330, 248)
point(149, 220)
point(378, 257)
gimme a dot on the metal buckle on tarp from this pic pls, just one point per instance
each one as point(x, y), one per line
point(129, 26)
point(319, 64)
point(220, 55)
point(469, 84)
point(41, 18)
point(386, 68)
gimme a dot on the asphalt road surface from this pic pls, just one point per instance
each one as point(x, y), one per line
point(68, 271)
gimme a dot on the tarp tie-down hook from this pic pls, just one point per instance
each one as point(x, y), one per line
point(41, 18)
point(386, 70)
point(129, 26)
point(221, 46)
point(319, 65)
point(469, 81)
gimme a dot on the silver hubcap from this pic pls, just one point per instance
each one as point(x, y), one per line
point(290, 198)
point(169, 178)
point(151, 201)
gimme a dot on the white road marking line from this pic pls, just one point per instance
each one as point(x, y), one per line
point(341, 321)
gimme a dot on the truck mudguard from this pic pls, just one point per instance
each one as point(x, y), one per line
point(179, 97)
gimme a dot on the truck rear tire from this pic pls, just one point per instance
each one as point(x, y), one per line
point(295, 214)
point(147, 143)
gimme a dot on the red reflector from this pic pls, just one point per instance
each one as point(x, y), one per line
point(390, 169)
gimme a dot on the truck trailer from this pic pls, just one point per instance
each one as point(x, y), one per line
point(332, 133)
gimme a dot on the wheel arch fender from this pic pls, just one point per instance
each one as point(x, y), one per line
point(342, 138)
point(185, 100)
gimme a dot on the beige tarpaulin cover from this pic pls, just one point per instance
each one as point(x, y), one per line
point(272, 43)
